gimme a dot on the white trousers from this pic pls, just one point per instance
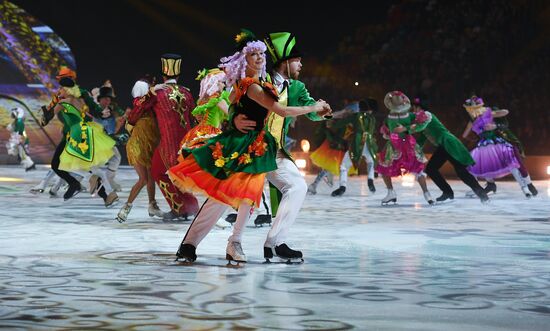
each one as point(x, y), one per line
point(101, 174)
point(112, 166)
point(290, 182)
point(346, 164)
point(114, 161)
point(287, 179)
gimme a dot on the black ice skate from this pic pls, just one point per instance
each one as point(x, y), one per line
point(533, 189)
point(482, 195)
point(262, 219)
point(71, 192)
point(491, 187)
point(187, 253)
point(231, 218)
point(370, 184)
point(445, 196)
point(339, 191)
point(284, 253)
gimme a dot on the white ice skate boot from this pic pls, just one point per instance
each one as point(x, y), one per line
point(154, 210)
point(234, 252)
point(390, 197)
point(123, 213)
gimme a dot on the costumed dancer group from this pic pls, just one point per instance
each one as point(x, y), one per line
point(235, 139)
point(406, 129)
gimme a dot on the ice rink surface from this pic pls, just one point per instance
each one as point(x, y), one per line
point(461, 265)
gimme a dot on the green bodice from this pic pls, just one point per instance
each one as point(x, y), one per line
point(214, 115)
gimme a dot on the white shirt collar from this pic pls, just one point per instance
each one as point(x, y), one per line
point(279, 80)
point(171, 81)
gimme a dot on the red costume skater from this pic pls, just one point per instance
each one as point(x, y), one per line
point(172, 105)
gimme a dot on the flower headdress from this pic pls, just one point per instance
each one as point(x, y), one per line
point(235, 65)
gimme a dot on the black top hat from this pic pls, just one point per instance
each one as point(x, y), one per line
point(67, 82)
point(105, 92)
point(171, 64)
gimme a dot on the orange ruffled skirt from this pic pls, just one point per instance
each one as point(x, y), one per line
point(197, 136)
point(237, 188)
point(328, 158)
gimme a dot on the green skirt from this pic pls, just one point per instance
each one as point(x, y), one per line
point(231, 152)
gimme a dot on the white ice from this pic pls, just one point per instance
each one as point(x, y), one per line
point(457, 266)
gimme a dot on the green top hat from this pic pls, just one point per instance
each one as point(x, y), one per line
point(282, 46)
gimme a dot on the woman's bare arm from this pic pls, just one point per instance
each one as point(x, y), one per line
point(467, 130)
point(500, 112)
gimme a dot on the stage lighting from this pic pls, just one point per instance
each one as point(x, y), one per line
point(548, 170)
point(301, 163)
point(356, 83)
point(407, 180)
point(305, 145)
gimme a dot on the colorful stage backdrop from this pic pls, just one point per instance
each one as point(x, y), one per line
point(30, 56)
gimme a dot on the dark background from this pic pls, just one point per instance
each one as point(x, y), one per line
point(122, 40)
point(443, 50)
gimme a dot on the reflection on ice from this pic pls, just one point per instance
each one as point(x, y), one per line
point(460, 265)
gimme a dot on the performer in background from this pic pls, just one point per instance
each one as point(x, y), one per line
point(494, 156)
point(172, 105)
point(358, 124)
point(18, 144)
point(143, 141)
point(401, 154)
point(448, 148)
